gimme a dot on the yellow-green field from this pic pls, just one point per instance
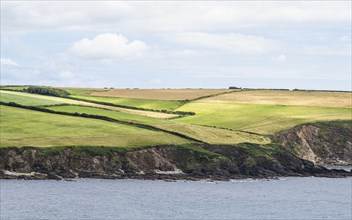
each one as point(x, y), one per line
point(22, 127)
point(158, 94)
point(32, 99)
point(139, 103)
point(206, 134)
point(262, 119)
point(232, 118)
point(278, 97)
point(42, 100)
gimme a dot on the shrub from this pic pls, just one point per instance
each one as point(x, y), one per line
point(47, 91)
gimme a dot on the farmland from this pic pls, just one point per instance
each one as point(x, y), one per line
point(139, 103)
point(207, 134)
point(41, 100)
point(159, 94)
point(263, 119)
point(278, 97)
point(268, 111)
point(22, 127)
point(32, 99)
point(132, 118)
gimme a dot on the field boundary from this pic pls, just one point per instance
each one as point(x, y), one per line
point(100, 117)
point(180, 113)
point(204, 97)
point(229, 129)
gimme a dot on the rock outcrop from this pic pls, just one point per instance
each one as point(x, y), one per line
point(162, 162)
point(300, 151)
point(323, 143)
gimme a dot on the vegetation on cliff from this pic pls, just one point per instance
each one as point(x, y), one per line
point(233, 133)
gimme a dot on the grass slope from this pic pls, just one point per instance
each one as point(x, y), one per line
point(263, 119)
point(32, 99)
point(159, 94)
point(20, 127)
point(140, 103)
point(277, 97)
point(39, 100)
point(80, 91)
point(206, 134)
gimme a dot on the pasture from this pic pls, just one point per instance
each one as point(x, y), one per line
point(206, 134)
point(139, 103)
point(32, 99)
point(262, 119)
point(22, 127)
point(278, 97)
point(159, 94)
point(42, 100)
point(237, 117)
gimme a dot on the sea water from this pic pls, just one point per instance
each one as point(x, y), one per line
point(286, 198)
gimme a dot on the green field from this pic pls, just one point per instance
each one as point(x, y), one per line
point(238, 117)
point(80, 91)
point(279, 97)
point(21, 127)
point(32, 99)
point(206, 134)
point(262, 119)
point(139, 103)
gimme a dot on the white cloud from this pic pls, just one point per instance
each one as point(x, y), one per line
point(281, 58)
point(176, 16)
point(107, 46)
point(233, 42)
point(6, 61)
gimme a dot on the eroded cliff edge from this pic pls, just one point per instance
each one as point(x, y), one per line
point(323, 143)
point(300, 151)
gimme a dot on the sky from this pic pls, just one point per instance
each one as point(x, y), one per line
point(146, 44)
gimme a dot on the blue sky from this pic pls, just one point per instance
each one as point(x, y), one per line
point(177, 44)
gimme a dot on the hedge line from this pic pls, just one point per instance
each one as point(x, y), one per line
point(84, 115)
point(135, 108)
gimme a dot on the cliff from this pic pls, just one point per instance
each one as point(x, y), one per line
point(161, 162)
point(300, 151)
point(323, 143)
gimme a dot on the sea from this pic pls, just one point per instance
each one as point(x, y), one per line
point(284, 198)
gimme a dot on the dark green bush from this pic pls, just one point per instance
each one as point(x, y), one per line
point(47, 91)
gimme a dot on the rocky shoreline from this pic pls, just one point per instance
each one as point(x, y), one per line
point(156, 163)
point(301, 151)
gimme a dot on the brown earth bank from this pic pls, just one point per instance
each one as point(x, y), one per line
point(162, 162)
point(323, 143)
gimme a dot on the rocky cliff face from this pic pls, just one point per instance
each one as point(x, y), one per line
point(163, 162)
point(324, 143)
point(296, 152)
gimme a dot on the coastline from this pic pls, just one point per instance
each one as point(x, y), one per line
point(167, 163)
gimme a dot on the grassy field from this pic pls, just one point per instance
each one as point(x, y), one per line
point(21, 127)
point(206, 134)
point(159, 94)
point(277, 97)
point(41, 100)
point(241, 116)
point(81, 91)
point(263, 119)
point(32, 99)
point(139, 103)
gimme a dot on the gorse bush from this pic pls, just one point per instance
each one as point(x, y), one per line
point(47, 91)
